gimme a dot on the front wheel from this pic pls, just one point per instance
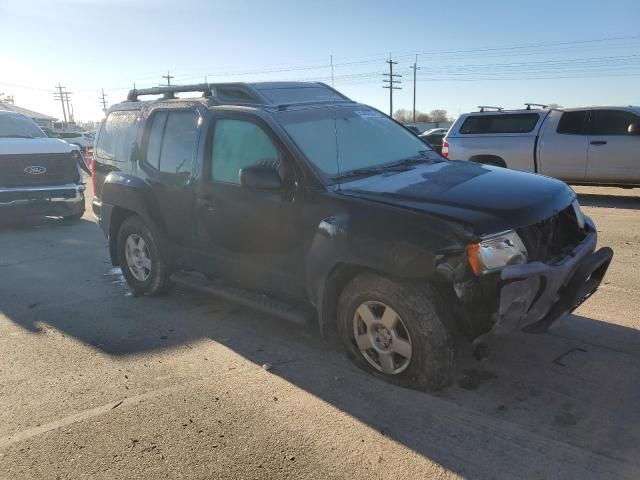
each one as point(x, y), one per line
point(143, 264)
point(397, 330)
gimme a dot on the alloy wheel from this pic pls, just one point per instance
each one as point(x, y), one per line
point(382, 337)
point(136, 251)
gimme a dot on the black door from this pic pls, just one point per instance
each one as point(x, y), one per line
point(168, 154)
point(250, 237)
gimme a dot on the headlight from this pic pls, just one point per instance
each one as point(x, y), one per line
point(579, 215)
point(495, 252)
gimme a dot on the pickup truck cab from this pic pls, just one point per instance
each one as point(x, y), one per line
point(594, 145)
point(295, 200)
point(38, 175)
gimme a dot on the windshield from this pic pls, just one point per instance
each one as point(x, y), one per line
point(339, 140)
point(17, 126)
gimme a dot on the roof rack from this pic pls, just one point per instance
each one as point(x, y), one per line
point(487, 107)
point(541, 105)
point(169, 91)
point(268, 94)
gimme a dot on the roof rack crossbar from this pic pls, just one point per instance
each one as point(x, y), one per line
point(170, 90)
point(541, 105)
point(488, 107)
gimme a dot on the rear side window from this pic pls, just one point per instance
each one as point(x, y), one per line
point(573, 123)
point(179, 142)
point(238, 144)
point(172, 141)
point(516, 123)
point(117, 136)
point(154, 144)
point(613, 122)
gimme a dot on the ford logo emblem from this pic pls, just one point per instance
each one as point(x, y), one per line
point(35, 170)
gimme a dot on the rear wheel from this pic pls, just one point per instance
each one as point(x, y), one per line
point(397, 330)
point(143, 264)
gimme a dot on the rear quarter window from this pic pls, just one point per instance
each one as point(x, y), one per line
point(117, 135)
point(516, 123)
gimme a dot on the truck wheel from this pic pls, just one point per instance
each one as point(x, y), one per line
point(143, 265)
point(76, 216)
point(397, 330)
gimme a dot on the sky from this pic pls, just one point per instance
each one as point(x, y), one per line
point(470, 53)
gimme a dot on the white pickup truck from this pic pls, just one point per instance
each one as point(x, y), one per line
point(593, 145)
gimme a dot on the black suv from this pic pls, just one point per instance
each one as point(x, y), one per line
point(293, 199)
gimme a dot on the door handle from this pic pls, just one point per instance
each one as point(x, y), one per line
point(598, 142)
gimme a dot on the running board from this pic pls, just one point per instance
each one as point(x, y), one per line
point(256, 301)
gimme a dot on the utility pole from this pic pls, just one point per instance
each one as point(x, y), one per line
point(391, 81)
point(332, 84)
point(415, 68)
point(59, 95)
point(103, 101)
point(168, 76)
point(69, 107)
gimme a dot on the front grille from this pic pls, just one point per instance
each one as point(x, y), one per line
point(553, 239)
point(61, 168)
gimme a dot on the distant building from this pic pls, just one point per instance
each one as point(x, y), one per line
point(40, 118)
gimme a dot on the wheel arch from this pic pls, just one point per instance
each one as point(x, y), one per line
point(122, 197)
point(489, 160)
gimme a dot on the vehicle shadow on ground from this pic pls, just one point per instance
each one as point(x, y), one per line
point(609, 201)
point(559, 405)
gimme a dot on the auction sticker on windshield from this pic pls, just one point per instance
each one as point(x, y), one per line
point(367, 114)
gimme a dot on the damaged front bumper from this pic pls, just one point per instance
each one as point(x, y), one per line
point(535, 295)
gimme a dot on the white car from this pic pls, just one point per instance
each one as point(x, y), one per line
point(591, 145)
point(82, 139)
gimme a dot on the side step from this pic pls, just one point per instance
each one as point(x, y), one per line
point(257, 301)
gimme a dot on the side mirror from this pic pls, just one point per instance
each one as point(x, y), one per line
point(634, 129)
point(260, 177)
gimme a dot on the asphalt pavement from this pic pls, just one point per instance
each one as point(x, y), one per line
point(97, 383)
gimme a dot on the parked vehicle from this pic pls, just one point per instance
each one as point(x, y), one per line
point(434, 138)
point(76, 151)
point(299, 202)
point(413, 128)
point(38, 175)
point(82, 139)
point(595, 145)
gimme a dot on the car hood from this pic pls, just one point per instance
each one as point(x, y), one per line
point(486, 199)
point(20, 146)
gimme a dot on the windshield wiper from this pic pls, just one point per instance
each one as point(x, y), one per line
point(16, 136)
point(358, 172)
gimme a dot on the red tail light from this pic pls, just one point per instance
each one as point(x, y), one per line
point(445, 149)
point(92, 164)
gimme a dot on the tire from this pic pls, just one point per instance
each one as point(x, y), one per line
point(146, 271)
point(76, 216)
point(422, 322)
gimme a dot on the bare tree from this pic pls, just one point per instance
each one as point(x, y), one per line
point(422, 117)
point(438, 115)
point(406, 116)
point(402, 115)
